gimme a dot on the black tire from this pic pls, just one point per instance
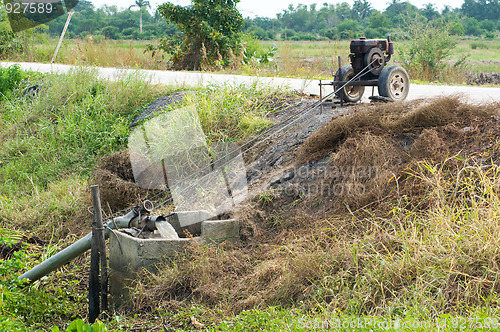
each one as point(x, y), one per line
point(351, 94)
point(394, 83)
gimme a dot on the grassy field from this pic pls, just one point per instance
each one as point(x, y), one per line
point(419, 251)
point(293, 58)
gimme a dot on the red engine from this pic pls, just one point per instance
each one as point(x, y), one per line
point(371, 53)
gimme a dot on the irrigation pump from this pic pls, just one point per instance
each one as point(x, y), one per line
point(138, 217)
point(369, 58)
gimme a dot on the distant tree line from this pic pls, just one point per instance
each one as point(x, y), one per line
point(340, 21)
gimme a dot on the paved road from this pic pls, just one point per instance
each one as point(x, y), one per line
point(474, 94)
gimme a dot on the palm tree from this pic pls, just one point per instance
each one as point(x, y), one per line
point(362, 8)
point(141, 4)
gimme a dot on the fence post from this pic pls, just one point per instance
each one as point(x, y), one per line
point(97, 257)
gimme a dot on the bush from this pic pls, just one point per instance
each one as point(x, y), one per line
point(9, 44)
point(472, 27)
point(305, 36)
point(488, 25)
point(429, 47)
point(10, 78)
point(258, 32)
point(348, 29)
point(480, 45)
point(490, 35)
point(212, 34)
point(287, 34)
point(456, 28)
point(328, 33)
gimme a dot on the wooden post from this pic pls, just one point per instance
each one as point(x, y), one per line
point(341, 94)
point(62, 36)
point(321, 95)
point(97, 257)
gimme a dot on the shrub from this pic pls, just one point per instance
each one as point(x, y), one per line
point(10, 78)
point(429, 46)
point(211, 31)
point(479, 45)
point(287, 33)
point(488, 25)
point(9, 44)
point(472, 27)
point(348, 29)
point(456, 28)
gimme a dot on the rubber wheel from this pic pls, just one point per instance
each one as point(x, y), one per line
point(352, 94)
point(394, 83)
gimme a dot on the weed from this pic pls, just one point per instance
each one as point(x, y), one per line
point(266, 197)
point(231, 113)
point(10, 79)
point(429, 47)
point(28, 308)
point(80, 326)
point(479, 45)
point(49, 146)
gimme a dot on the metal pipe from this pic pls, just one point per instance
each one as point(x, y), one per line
point(76, 249)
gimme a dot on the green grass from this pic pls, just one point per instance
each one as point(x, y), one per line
point(32, 308)
point(49, 146)
point(87, 117)
point(233, 113)
point(280, 319)
point(322, 57)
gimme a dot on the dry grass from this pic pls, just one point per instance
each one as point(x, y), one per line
point(394, 119)
point(424, 239)
point(97, 52)
point(442, 260)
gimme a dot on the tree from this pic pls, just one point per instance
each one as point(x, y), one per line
point(482, 9)
point(9, 44)
point(430, 12)
point(212, 33)
point(141, 4)
point(361, 9)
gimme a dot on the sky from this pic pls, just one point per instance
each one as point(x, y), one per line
point(269, 8)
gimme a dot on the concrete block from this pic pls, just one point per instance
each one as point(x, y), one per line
point(220, 230)
point(127, 253)
point(188, 220)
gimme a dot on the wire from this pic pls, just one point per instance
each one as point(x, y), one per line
point(302, 113)
point(308, 109)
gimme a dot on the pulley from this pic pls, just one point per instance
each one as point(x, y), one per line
point(376, 56)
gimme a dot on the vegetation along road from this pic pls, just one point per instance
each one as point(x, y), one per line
point(474, 94)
